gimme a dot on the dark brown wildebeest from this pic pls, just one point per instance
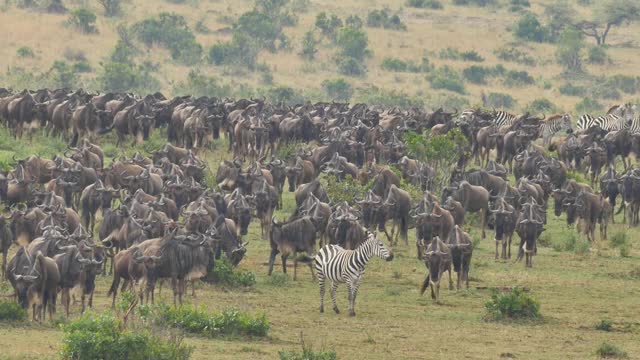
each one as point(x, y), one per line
point(438, 260)
point(456, 209)
point(461, 251)
point(302, 172)
point(315, 188)
point(396, 207)
point(590, 207)
point(504, 223)
point(296, 236)
point(473, 199)
point(77, 266)
point(6, 239)
point(38, 285)
point(529, 227)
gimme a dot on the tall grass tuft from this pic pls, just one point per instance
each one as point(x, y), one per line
point(607, 350)
point(11, 311)
point(514, 305)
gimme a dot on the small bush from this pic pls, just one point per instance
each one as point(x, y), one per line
point(198, 84)
point(481, 3)
point(170, 31)
point(541, 106)
point(597, 55)
point(278, 279)
point(338, 89)
point(11, 311)
point(628, 84)
point(384, 19)
point(476, 74)
point(351, 67)
point(347, 189)
point(446, 78)
point(25, 52)
point(353, 43)
point(471, 55)
point(104, 337)
point(604, 325)
point(328, 24)
point(607, 350)
point(230, 322)
point(588, 106)
point(84, 20)
point(625, 250)
point(572, 90)
point(308, 354)
point(499, 100)
point(125, 77)
point(529, 28)
point(618, 239)
point(111, 7)
point(225, 274)
point(514, 305)
point(515, 78)
point(512, 54)
point(425, 4)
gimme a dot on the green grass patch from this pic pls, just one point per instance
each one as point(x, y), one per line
point(230, 322)
point(610, 351)
point(514, 305)
point(11, 311)
point(604, 325)
point(225, 274)
point(308, 353)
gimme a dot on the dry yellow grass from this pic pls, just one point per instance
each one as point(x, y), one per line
point(465, 28)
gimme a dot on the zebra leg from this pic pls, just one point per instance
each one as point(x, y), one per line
point(321, 283)
point(334, 287)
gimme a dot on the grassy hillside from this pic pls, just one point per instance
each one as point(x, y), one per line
point(428, 32)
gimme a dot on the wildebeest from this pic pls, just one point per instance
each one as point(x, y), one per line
point(296, 236)
point(438, 260)
point(461, 247)
point(38, 286)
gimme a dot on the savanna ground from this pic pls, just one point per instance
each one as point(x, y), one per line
point(577, 288)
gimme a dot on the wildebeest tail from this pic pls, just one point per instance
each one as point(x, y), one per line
point(106, 130)
point(404, 228)
point(425, 284)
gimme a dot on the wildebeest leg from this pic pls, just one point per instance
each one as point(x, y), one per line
point(82, 299)
point(174, 286)
point(425, 284)
point(295, 267)
point(334, 287)
point(284, 263)
point(498, 242)
point(458, 278)
point(67, 300)
point(484, 222)
point(450, 279)
point(465, 272)
point(272, 259)
point(193, 288)
point(322, 290)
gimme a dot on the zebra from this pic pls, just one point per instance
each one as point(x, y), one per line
point(634, 126)
point(609, 122)
point(503, 118)
point(347, 266)
point(553, 125)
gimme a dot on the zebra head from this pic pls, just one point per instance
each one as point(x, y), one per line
point(378, 248)
point(566, 122)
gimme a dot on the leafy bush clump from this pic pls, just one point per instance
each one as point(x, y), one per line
point(542, 106)
point(125, 77)
point(351, 66)
point(384, 19)
point(572, 90)
point(308, 354)
point(481, 3)
point(399, 65)
point(512, 54)
point(84, 20)
point(604, 325)
point(588, 105)
point(11, 311)
point(225, 274)
point(628, 84)
point(498, 100)
point(607, 350)
point(104, 337)
point(597, 55)
point(476, 74)
point(338, 89)
point(514, 305)
point(425, 4)
point(518, 78)
point(346, 189)
point(198, 84)
point(446, 78)
point(570, 241)
point(25, 52)
point(230, 322)
point(529, 28)
point(172, 32)
point(454, 54)
point(377, 96)
point(471, 55)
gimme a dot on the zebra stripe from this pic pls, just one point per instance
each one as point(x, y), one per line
point(634, 127)
point(586, 121)
point(503, 118)
point(607, 122)
point(346, 266)
point(553, 125)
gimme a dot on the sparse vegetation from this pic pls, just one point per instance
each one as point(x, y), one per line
point(172, 32)
point(224, 274)
point(425, 4)
point(529, 28)
point(384, 19)
point(538, 106)
point(610, 351)
point(446, 78)
point(25, 52)
point(498, 100)
point(338, 89)
point(11, 311)
point(84, 20)
point(308, 354)
point(604, 325)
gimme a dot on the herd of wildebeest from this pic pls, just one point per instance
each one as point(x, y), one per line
point(160, 220)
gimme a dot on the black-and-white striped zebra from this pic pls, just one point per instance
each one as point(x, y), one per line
point(634, 126)
point(503, 118)
point(609, 122)
point(347, 266)
point(553, 125)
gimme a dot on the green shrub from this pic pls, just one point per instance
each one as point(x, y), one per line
point(449, 54)
point(618, 239)
point(171, 31)
point(607, 350)
point(328, 24)
point(625, 250)
point(604, 325)
point(597, 55)
point(572, 90)
point(374, 95)
point(225, 274)
point(122, 77)
point(82, 67)
point(103, 337)
point(512, 54)
point(449, 101)
point(446, 78)
point(230, 322)
point(394, 64)
point(338, 89)
point(628, 84)
point(309, 46)
point(63, 75)
point(351, 66)
point(588, 105)
point(11, 311)
point(346, 189)
point(541, 106)
point(25, 52)
point(425, 4)
point(384, 19)
point(308, 354)
point(198, 84)
point(605, 89)
point(471, 55)
point(278, 279)
point(481, 3)
point(84, 20)
point(529, 28)
point(499, 100)
point(522, 3)
point(514, 305)
point(111, 7)
point(476, 74)
point(353, 43)
point(570, 241)
point(518, 78)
